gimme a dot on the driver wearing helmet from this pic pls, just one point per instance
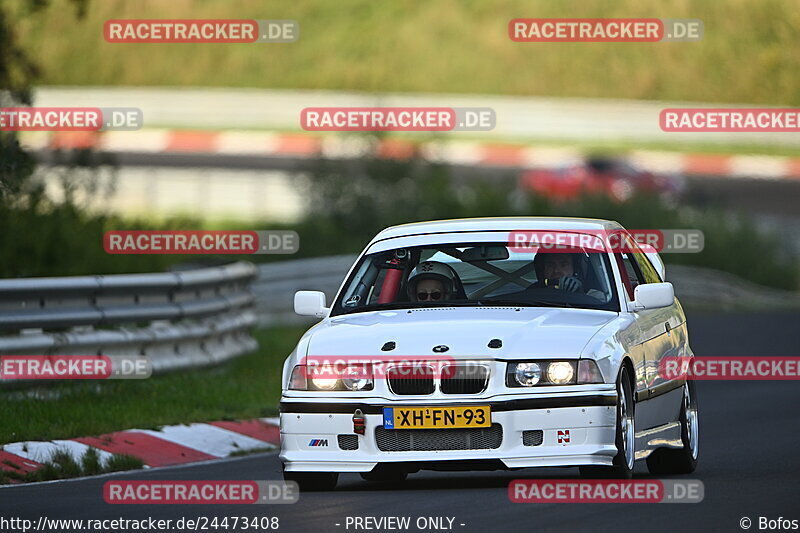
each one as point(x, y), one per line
point(432, 281)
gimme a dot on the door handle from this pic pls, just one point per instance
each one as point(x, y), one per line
point(667, 327)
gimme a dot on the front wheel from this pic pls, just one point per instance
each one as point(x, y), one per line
point(625, 435)
point(668, 461)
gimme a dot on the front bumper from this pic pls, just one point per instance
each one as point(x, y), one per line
point(577, 429)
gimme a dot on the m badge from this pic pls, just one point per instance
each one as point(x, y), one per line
point(318, 442)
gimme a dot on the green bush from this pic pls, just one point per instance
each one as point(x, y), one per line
point(64, 240)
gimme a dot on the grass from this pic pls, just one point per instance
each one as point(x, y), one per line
point(749, 53)
point(62, 465)
point(247, 387)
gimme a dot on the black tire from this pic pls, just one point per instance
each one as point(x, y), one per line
point(313, 481)
point(386, 474)
point(673, 461)
point(625, 435)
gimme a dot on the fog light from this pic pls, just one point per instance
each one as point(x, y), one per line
point(560, 372)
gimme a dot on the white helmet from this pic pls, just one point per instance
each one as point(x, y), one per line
point(433, 270)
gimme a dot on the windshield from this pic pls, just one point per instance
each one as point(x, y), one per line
point(478, 274)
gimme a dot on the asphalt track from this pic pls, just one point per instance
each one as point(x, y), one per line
point(749, 463)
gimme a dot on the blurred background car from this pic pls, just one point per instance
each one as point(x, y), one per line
point(599, 175)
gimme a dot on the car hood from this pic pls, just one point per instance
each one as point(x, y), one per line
point(466, 331)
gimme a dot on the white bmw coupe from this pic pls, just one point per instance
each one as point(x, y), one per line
point(485, 344)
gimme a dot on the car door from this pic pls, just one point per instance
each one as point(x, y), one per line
point(660, 327)
point(657, 342)
point(632, 337)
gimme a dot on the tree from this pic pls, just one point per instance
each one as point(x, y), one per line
point(17, 75)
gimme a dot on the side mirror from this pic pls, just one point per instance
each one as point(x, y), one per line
point(653, 296)
point(310, 303)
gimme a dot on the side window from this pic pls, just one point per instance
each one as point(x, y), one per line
point(377, 288)
point(646, 268)
point(632, 270)
point(389, 286)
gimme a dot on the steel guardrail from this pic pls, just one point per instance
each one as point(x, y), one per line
point(177, 320)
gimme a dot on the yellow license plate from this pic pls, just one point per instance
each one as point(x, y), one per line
point(475, 416)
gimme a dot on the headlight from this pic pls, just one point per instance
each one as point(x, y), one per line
point(324, 383)
point(357, 378)
point(528, 374)
point(329, 378)
point(532, 373)
point(560, 372)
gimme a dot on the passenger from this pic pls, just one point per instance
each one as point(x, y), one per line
point(431, 281)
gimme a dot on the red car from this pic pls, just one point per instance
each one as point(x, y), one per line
point(613, 177)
